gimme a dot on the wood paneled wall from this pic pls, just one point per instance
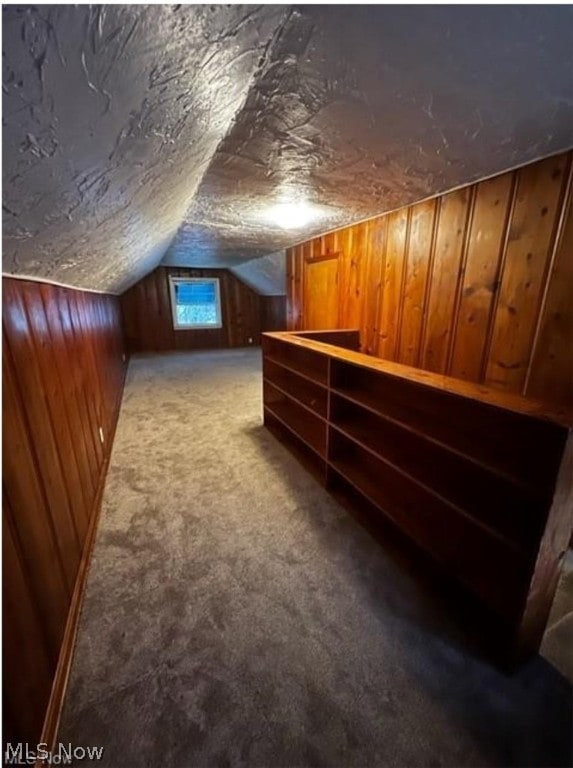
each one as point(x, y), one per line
point(273, 313)
point(63, 371)
point(148, 319)
point(475, 284)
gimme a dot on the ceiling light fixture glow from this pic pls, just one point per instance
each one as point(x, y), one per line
point(288, 215)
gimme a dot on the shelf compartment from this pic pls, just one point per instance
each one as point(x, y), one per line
point(490, 435)
point(494, 500)
point(312, 365)
point(308, 393)
point(437, 527)
point(310, 428)
point(307, 456)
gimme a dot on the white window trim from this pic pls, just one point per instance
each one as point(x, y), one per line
point(173, 282)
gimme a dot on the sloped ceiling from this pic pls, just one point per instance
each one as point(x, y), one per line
point(267, 274)
point(112, 115)
point(136, 133)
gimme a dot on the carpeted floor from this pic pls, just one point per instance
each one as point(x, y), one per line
point(237, 616)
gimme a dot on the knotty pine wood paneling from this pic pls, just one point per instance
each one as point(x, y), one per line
point(475, 284)
point(63, 370)
point(148, 320)
point(550, 375)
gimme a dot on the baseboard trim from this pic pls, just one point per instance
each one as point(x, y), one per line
point(61, 678)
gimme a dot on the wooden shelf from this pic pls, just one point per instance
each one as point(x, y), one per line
point(382, 466)
point(306, 392)
point(495, 501)
point(475, 479)
point(307, 456)
point(522, 485)
point(297, 371)
point(306, 425)
point(312, 365)
point(436, 527)
point(495, 437)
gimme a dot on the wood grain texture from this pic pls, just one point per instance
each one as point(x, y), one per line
point(294, 288)
point(322, 275)
point(478, 478)
point(148, 320)
point(531, 233)
point(551, 368)
point(418, 262)
point(350, 291)
point(444, 279)
point(63, 372)
point(375, 259)
point(28, 664)
point(481, 277)
point(472, 284)
point(273, 313)
point(392, 284)
point(63, 668)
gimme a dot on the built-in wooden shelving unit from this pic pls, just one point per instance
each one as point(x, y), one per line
point(478, 479)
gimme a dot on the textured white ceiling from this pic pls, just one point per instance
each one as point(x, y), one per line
point(136, 133)
point(112, 115)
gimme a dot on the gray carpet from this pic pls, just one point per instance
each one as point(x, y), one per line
point(237, 616)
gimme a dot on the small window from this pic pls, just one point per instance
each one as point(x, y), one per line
point(195, 302)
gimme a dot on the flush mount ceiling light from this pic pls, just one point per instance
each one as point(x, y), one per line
point(293, 215)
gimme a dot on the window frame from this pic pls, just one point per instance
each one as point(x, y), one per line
point(173, 282)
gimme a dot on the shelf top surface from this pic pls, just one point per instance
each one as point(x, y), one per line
point(466, 389)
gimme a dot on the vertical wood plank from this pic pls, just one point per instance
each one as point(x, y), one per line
point(375, 257)
point(388, 323)
point(72, 372)
point(291, 308)
point(32, 517)
point(328, 244)
point(152, 312)
point(30, 384)
point(298, 288)
point(166, 316)
point(444, 277)
point(307, 251)
point(27, 667)
point(479, 284)
point(57, 367)
point(86, 327)
point(531, 231)
point(84, 371)
point(417, 263)
point(274, 309)
point(352, 302)
point(48, 353)
point(551, 377)
point(345, 266)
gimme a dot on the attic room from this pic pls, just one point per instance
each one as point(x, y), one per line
point(287, 385)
